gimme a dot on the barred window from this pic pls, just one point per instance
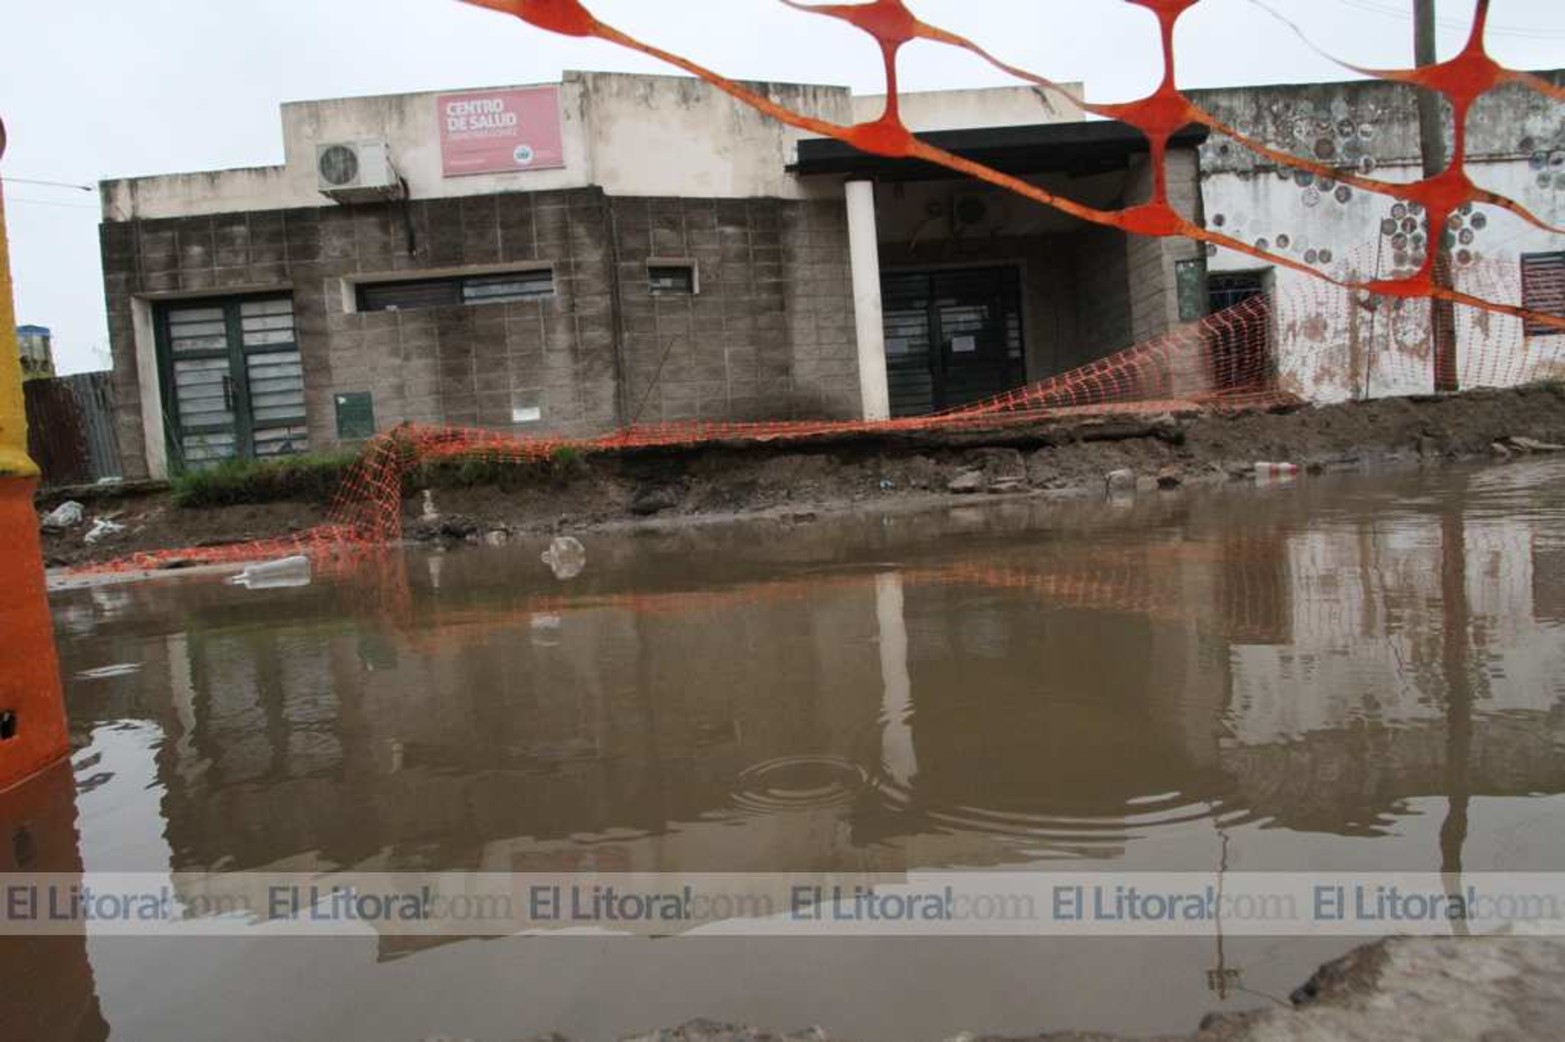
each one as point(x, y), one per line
point(1543, 289)
point(457, 290)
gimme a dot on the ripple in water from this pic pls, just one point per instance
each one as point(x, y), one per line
point(791, 783)
point(1069, 833)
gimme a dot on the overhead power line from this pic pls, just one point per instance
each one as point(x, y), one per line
point(46, 184)
point(1491, 29)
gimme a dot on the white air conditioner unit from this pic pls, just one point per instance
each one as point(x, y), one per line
point(356, 172)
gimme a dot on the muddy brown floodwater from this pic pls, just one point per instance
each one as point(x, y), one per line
point(1354, 672)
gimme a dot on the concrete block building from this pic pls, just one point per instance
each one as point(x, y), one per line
point(610, 250)
point(613, 249)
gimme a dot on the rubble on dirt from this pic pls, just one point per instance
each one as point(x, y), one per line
point(1401, 989)
point(683, 485)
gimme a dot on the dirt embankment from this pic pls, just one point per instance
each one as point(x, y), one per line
point(1404, 989)
point(666, 486)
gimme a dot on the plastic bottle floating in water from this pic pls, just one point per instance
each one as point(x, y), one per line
point(566, 557)
point(274, 575)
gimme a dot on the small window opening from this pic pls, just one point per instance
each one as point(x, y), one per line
point(411, 294)
point(671, 278)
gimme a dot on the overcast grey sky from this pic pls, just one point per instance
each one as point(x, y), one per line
point(93, 89)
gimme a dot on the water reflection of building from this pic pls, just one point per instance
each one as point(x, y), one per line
point(1059, 699)
point(1409, 632)
point(48, 991)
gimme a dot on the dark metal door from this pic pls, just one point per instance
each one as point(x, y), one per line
point(952, 337)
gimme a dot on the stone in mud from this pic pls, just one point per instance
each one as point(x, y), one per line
point(1474, 989)
point(459, 527)
point(967, 483)
point(1120, 481)
point(717, 1031)
point(999, 464)
point(1170, 477)
point(1534, 445)
point(651, 501)
point(1002, 485)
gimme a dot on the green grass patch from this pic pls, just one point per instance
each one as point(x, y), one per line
point(308, 478)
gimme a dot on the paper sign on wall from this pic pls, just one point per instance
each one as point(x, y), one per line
point(964, 345)
point(500, 131)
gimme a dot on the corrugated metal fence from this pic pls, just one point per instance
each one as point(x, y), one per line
point(70, 429)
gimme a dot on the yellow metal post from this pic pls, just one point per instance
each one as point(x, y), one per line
point(13, 412)
point(33, 733)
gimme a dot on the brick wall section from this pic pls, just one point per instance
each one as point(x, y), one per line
point(1102, 283)
point(460, 365)
point(769, 335)
point(1154, 303)
point(818, 302)
point(723, 352)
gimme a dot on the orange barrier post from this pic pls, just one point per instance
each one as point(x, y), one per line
point(33, 732)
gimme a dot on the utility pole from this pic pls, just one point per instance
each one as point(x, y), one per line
point(1431, 132)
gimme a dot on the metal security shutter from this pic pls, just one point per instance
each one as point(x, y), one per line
point(952, 337)
point(234, 381)
point(1543, 289)
point(910, 379)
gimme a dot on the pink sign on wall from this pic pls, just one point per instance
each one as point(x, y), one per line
point(501, 131)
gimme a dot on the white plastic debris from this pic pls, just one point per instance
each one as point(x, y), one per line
point(430, 513)
point(102, 529)
point(275, 575)
point(1265, 471)
point(566, 557)
point(120, 669)
point(1120, 481)
point(67, 515)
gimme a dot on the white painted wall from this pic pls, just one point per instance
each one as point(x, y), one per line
point(1332, 346)
point(633, 135)
point(926, 111)
point(1365, 614)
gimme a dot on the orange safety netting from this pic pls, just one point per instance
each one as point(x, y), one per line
point(1221, 362)
point(1459, 82)
point(1313, 342)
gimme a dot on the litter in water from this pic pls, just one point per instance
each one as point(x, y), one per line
point(566, 557)
point(275, 575)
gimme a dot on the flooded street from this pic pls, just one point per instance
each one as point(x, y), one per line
point(1350, 673)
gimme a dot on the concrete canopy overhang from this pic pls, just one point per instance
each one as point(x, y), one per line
point(1075, 148)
